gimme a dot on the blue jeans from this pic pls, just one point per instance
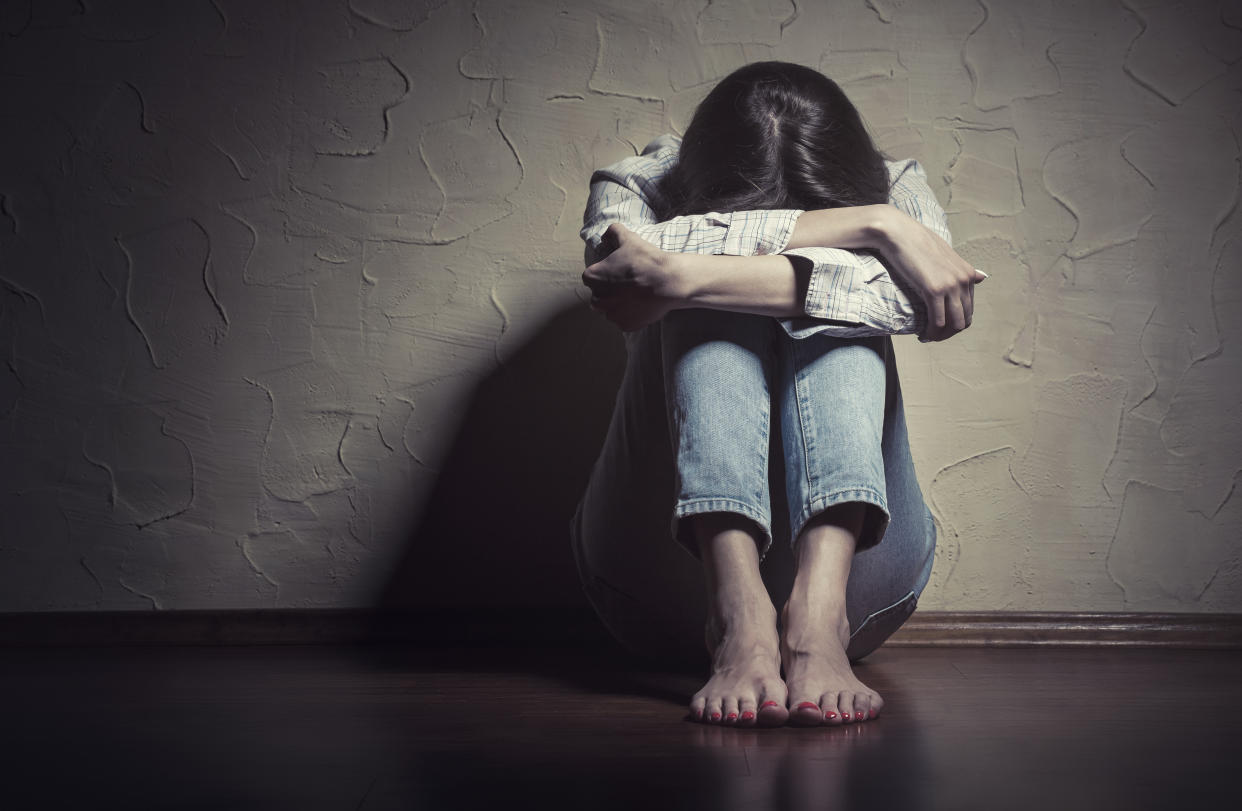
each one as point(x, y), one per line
point(703, 397)
point(725, 374)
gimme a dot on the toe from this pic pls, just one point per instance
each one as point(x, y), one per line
point(697, 705)
point(712, 712)
point(862, 705)
point(845, 706)
point(772, 711)
point(877, 704)
point(806, 714)
point(828, 701)
point(729, 710)
point(746, 712)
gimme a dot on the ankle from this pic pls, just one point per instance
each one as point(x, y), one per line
point(816, 602)
point(807, 624)
point(734, 611)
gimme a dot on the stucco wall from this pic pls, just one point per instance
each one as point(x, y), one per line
point(289, 291)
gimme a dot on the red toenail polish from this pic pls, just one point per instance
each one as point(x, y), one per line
point(715, 716)
point(770, 704)
point(748, 715)
point(830, 714)
point(732, 716)
point(858, 715)
point(871, 714)
point(808, 705)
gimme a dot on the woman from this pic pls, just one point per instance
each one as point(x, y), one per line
point(742, 264)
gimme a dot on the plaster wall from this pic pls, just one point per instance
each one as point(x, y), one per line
point(289, 291)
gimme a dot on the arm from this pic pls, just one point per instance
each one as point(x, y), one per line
point(930, 289)
point(844, 292)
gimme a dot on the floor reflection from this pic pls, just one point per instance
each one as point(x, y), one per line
point(856, 766)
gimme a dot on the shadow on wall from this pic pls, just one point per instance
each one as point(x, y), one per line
point(495, 535)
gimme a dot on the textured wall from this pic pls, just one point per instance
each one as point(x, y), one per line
point(289, 307)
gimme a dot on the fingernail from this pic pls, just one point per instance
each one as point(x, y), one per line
point(808, 705)
point(981, 273)
point(769, 704)
point(830, 714)
point(748, 715)
point(732, 716)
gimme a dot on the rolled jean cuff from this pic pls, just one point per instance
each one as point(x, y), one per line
point(875, 523)
point(703, 506)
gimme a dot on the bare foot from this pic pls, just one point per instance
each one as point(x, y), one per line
point(745, 688)
point(822, 685)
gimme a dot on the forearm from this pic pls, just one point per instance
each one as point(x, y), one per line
point(772, 285)
point(776, 284)
point(851, 227)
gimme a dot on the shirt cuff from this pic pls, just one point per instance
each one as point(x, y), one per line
point(834, 290)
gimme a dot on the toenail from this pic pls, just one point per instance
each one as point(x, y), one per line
point(746, 716)
point(872, 714)
point(732, 716)
point(830, 714)
point(808, 705)
point(770, 704)
point(715, 716)
point(858, 715)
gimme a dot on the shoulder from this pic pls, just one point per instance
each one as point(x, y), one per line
point(663, 144)
point(655, 159)
point(642, 172)
point(906, 178)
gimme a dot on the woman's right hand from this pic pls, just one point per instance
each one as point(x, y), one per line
point(636, 283)
point(945, 281)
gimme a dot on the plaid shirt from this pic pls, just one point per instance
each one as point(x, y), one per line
point(850, 294)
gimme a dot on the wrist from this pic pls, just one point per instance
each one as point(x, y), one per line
point(679, 280)
point(879, 227)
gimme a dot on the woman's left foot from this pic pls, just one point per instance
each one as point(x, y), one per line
point(822, 686)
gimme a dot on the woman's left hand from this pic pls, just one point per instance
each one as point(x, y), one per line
point(636, 284)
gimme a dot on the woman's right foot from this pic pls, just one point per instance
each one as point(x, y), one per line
point(822, 685)
point(745, 688)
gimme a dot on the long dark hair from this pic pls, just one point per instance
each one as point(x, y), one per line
point(775, 135)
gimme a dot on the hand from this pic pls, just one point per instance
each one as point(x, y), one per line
point(945, 281)
point(635, 284)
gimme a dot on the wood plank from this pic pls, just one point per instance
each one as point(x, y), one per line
point(397, 727)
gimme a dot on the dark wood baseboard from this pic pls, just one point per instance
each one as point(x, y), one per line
point(572, 626)
point(1064, 629)
point(577, 627)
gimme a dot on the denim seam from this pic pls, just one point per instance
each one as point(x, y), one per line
point(822, 502)
point(799, 383)
point(701, 506)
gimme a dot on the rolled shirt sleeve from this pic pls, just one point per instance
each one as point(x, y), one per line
point(629, 192)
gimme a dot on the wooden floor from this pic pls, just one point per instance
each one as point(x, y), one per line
point(386, 728)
